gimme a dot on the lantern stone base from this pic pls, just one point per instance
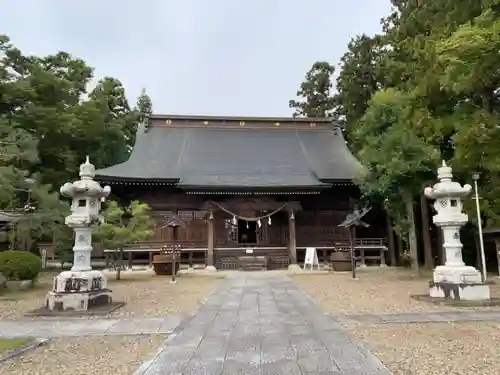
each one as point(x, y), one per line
point(459, 292)
point(78, 291)
point(461, 283)
point(294, 268)
point(77, 301)
point(457, 275)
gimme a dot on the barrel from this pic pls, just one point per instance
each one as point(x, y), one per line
point(162, 264)
point(341, 261)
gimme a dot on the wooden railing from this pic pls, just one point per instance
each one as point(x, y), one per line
point(367, 249)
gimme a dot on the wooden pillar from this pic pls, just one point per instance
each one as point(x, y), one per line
point(130, 259)
point(292, 241)
point(209, 262)
point(383, 263)
point(150, 259)
point(362, 256)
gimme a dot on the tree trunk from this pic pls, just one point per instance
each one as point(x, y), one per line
point(120, 264)
point(401, 246)
point(412, 233)
point(426, 233)
point(390, 240)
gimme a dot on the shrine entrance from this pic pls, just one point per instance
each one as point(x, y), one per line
point(247, 232)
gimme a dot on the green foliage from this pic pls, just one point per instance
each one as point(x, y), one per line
point(49, 122)
point(315, 92)
point(406, 160)
point(361, 75)
point(19, 265)
point(45, 98)
point(125, 226)
point(63, 237)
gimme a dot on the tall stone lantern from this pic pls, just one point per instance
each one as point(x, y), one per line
point(81, 288)
point(454, 279)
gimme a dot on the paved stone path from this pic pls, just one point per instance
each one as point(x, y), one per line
point(166, 325)
point(255, 323)
point(88, 327)
point(261, 324)
point(419, 317)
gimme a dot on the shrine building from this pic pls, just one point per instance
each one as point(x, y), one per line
point(270, 187)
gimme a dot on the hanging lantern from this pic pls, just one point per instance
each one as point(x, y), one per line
point(247, 224)
point(259, 223)
point(235, 222)
point(269, 221)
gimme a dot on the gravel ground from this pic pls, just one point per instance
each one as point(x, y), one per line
point(120, 355)
point(144, 294)
point(434, 348)
point(377, 290)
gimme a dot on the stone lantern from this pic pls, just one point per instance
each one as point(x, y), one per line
point(454, 279)
point(81, 288)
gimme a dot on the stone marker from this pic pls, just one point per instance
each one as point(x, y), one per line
point(453, 280)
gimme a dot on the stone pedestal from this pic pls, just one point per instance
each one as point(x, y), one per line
point(460, 291)
point(78, 291)
point(294, 268)
point(210, 269)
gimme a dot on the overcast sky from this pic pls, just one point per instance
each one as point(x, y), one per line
point(214, 57)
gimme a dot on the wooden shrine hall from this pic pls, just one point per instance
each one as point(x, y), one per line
point(265, 187)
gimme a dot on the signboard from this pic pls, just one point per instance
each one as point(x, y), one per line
point(311, 259)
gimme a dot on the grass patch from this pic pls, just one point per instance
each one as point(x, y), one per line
point(10, 344)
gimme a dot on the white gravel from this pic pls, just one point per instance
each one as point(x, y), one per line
point(120, 355)
point(377, 290)
point(144, 294)
point(435, 348)
point(407, 349)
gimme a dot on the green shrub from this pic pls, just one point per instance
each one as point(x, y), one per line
point(19, 265)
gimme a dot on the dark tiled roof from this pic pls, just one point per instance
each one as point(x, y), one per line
point(238, 157)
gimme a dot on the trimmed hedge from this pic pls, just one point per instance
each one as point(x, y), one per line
point(19, 265)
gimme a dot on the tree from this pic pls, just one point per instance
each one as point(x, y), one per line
point(47, 98)
point(471, 71)
point(361, 75)
point(144, 106)
point(406, 160)
point(124, 226)
point(63, 240)
point(42, 221)
point(315, 93)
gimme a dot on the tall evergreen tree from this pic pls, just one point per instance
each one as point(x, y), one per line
point(315, 93)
